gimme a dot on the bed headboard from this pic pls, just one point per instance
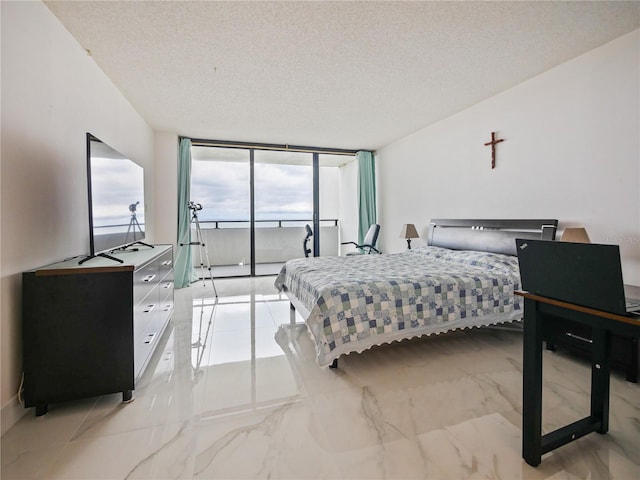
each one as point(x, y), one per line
point(497, 236)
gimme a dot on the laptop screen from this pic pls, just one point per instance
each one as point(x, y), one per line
point(586, 274)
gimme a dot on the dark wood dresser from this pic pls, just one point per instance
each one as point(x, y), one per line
point(91, 329)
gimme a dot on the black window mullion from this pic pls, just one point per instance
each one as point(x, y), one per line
point(252, 225)
point(316, 204)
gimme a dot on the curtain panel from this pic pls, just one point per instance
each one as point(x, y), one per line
point(183, 265)
point(366, 193)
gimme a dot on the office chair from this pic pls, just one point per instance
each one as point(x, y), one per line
point(369, 243)
point(306, 249)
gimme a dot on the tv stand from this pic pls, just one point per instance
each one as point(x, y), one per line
point(92, 329)
point(103, 255)
point(125, 247)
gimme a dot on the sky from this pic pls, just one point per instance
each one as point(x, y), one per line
point(222, 188)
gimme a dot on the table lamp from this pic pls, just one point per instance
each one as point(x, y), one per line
point(409, 231)
point(575, 234)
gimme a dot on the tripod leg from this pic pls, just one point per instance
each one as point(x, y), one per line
point(139, 229)
point(206, 254)
point(126, 239)
point(200, 243)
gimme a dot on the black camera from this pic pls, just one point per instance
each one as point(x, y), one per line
point(194, 206)
point(133, 206)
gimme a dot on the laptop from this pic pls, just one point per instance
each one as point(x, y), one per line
point(586, 274)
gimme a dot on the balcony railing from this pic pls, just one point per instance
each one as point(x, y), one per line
point(228, 242)
point(266, 223)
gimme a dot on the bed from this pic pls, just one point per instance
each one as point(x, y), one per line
point(464, 278)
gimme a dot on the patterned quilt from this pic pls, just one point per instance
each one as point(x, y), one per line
point(356, 302)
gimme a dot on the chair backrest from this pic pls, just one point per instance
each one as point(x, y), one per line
point(372, 235)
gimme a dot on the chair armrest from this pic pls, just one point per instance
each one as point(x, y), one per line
point(362, 247)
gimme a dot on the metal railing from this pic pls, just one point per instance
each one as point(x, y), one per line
point(297, 222)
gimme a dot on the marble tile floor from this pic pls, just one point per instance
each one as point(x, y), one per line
point(233, 393)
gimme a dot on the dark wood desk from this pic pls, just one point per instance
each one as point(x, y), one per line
point(568, 336)
point(537, 312)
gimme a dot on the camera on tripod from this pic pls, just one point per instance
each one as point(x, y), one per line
point(194, 206)
point(133, 207)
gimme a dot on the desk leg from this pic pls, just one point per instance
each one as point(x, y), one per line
point(532, 385)
point(600, 377)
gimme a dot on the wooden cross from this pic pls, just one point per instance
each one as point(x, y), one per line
point(493, 148)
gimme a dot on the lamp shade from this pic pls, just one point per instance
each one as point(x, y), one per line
point(575, 234)
point(409, 231)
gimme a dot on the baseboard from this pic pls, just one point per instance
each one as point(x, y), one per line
point(11, 413)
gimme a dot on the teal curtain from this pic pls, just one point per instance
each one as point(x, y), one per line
point(183, 267)
point(366, 193)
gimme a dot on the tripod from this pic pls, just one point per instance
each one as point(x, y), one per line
point(133, 223)
point(194, 207)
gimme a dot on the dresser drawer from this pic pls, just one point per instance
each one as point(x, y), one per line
point(145, 322)
point(145, 279)
point(166, 301)
point(165, 265)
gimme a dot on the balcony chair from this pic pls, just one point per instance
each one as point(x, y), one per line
point(369, 244)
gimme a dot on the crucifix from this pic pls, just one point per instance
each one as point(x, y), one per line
point(493, 148)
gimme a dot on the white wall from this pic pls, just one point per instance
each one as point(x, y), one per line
point(52, 94)
point(348, 208)
point(571, 152)
point(166, 187)
point(329, 192)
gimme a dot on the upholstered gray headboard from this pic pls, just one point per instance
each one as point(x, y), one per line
point(497, 236)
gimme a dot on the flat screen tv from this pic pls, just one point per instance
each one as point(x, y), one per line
point(116, 200)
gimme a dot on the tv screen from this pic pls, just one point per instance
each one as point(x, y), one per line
point(116, 198)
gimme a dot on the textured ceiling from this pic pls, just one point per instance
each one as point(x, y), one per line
point(328, 74)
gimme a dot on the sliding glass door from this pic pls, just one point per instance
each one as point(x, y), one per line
point(258, 202)
point(221, 183)
point(283, 205)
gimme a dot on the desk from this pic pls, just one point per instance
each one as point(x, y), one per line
point(538, 311)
